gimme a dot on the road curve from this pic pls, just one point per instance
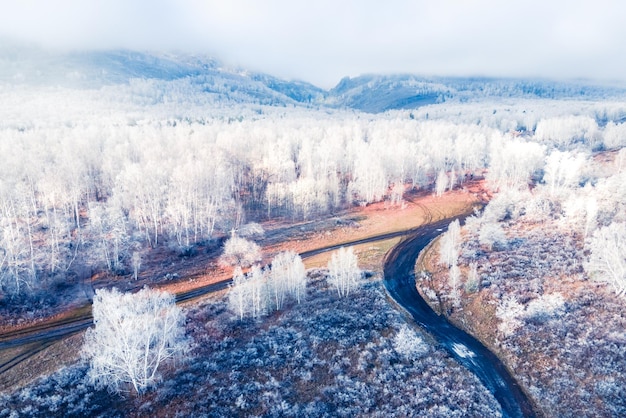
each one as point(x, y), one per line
point(400, 284)
point(39, 337)
point(399, 281)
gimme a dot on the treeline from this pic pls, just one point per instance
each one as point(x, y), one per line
point(93, 194)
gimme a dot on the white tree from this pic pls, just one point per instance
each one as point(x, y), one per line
point(450, 244)
point(108, 233)
point(134, 335)
point(454, 281)
point(257, 282)
point(370, 179)
point(492, 234)
point(136, 260)
point(563, 171)
point(563, 131)
point(287, 277)
point(442, 182)
point(512, 163)
point(262, 290)
point(343, 271)
point(239, 294)
point(607, 260)
point(240, 252)
point(509, 311)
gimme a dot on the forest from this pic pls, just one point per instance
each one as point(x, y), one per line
point(97, 180)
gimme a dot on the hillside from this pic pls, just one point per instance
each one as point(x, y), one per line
point(127, 169)
point(202, 76)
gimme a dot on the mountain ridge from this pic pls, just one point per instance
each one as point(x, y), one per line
point(372, 93)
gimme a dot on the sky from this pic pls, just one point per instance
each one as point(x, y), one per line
point(323, 41)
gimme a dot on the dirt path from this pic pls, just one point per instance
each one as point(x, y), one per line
point(20, 347)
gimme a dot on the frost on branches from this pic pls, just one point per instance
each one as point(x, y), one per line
point(408, 344)
point(343, 271)
point(134, 335)
point(607, 260)
point(264, 290)
point(240, 252)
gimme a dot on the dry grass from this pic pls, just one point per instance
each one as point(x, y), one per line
point(374, 219)
point(61, 353)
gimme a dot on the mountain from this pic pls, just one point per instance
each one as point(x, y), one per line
point(378, 93)
point(203, 80)
point(192, 74)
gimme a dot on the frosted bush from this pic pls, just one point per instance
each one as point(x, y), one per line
point(545, 306)
point(509, 311)
point(408, 344)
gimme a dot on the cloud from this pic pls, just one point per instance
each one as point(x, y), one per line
point(324, 40)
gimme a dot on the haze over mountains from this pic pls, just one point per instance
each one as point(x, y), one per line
point(198, 75)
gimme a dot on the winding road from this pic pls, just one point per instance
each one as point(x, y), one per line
point(399, 280)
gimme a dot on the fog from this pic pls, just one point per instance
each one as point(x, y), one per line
point(323, 41)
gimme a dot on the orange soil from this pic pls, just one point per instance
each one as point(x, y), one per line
point(373, 219)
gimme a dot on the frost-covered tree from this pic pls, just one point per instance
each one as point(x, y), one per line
point(442, 183)
point(239, 299)
point(563, 131)
point(136, 262)
point(513, 162)
point(263, 290)
point(343, 271)
point(108, 234)
point(492, 235)
point(450, 244)
point(454, 277)
point(240, 252)
point(370, 179)
point(509, 312)
point(257, 282)
point(14, 271)
point(287, 278)
point(614, 135)
point(607, 259)
point(562, 171)
point(134, 334)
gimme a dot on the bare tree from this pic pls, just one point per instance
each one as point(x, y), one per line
point(136, 260)
point(240, 252)
point(239, 294)
point(563, 171)
point(343, 271)
point(441, 184)
point(287, 277)
point(492, 235)
point(134, 335)
point(450, 244)
point(607, 260)
point(262, 290)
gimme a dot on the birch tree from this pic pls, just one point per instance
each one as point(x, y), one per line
point(134, 335)
point(287, 277)
point(450, 244)
point(607, 259)
point(343, 271)
point(563, 171)
point(239, 294)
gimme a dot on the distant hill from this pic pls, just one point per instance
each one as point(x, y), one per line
point(203, 75)
point(378, 93)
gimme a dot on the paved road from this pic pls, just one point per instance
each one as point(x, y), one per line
point(399, 280)
point(400, 284)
